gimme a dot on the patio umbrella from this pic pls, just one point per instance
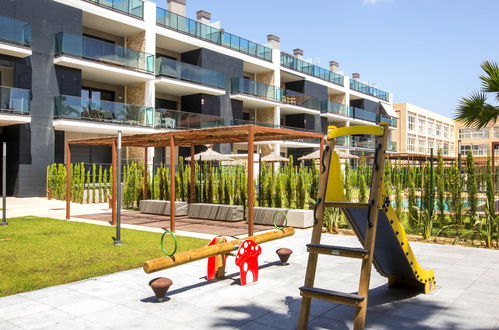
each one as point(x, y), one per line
point(274, 158)
point(210, 155)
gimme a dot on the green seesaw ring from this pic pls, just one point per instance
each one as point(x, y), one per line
point(174, 240)
point(285, 220)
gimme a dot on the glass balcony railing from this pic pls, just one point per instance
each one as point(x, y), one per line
point(237, 122)
point(130, 7)
point(15, 100)
point(291, 62)
point(184, 71)
point(299, 99)
point(74, 107)
point(336, 108)
point(105, 52)
point(364, 115)
point(205, 32)
point(392, 121)
point(174, 119)
point(251, 87)
point(14, 31)
point(369, 90)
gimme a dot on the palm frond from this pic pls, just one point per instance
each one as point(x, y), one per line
point(475, 111)
point(490, 81)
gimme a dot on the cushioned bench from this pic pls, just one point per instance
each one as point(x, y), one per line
point(151, 206)
point(219, 212)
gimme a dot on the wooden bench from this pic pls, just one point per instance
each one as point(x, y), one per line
point(220, 212)
point(152, 206)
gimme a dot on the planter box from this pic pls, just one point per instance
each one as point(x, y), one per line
point(300, 218)
point(151, 206)
point(296, 218)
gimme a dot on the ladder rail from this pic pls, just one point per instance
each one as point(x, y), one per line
point(315, 248)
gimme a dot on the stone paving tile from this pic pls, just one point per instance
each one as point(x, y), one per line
point(467, 296)
point(39, 319)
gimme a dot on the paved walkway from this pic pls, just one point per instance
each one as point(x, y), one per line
point(467, 295)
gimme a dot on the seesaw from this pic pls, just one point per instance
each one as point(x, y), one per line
point(217, 252)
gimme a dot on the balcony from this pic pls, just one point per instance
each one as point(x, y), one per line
point(291, 62)
point(15, 37)
point(369, 90)
point(255, 94)
point(340, 111)
point(336, 109)
point(295, 102)
point(392, 121)
point(103, 61)
point(178, 78)
point(15, 106)
point(210, 34)
point(173, 119)
point(95, 116)
point(133, 8)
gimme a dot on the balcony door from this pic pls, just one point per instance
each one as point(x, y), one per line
point(98, 103)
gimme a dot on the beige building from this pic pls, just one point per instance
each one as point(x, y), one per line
point(420, 130)
point(480, 141)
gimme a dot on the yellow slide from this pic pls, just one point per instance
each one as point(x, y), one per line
point(393, 257)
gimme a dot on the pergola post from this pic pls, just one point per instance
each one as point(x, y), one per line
point(146, 177)
point(320, 154)
point(113, 183)
point(251, 192)
point(172, 183)
point(193, 169)
point(68, 181)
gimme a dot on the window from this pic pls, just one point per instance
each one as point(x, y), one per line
point(431, 145)
point(421, 125)
point(446, 131)
point(473, 134)
point(431, 127)
point(496, 131)
point(421, 145)
point(446, 148)
point(476, 149)
point(439, 145)
point(411, 121)
point(438, 129)
point(411, 143)
point(452, 150)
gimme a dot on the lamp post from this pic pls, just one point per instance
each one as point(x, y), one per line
point(4, 185)
point(117, 241)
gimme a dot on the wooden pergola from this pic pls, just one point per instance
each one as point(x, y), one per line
point(189, 138)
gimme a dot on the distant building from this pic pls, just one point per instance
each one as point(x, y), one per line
point(420, 130)
point(481, 142)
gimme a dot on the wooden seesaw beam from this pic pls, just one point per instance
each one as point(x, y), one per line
point(158, 264)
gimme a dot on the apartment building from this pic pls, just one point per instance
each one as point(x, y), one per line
point(482, 142)
point(421, 130)
point(86, 68)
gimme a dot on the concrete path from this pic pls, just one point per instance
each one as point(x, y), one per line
point(467, 295)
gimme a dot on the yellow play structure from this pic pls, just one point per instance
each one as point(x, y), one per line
point(376, 225)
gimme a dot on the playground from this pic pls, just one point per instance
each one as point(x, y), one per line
point(469, 300)
point(206, 287)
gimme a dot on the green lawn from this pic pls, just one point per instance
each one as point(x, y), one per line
point(40, 252)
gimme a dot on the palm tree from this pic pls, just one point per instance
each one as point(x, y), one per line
point(474, 110)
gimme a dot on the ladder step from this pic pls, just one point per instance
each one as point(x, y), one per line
point(347, 205)
point(341, 251)
point(333, 296)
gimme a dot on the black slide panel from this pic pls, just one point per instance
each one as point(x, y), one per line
point(389, 257)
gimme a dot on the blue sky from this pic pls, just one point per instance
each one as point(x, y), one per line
point(426, 52)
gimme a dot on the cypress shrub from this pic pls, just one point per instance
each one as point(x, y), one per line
point(456, 201)
point(471, 184)
point(278, 191)
point(300, 189)
point(413, 212)
point(440, 183)
point(348, 189)
point(88, 186)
